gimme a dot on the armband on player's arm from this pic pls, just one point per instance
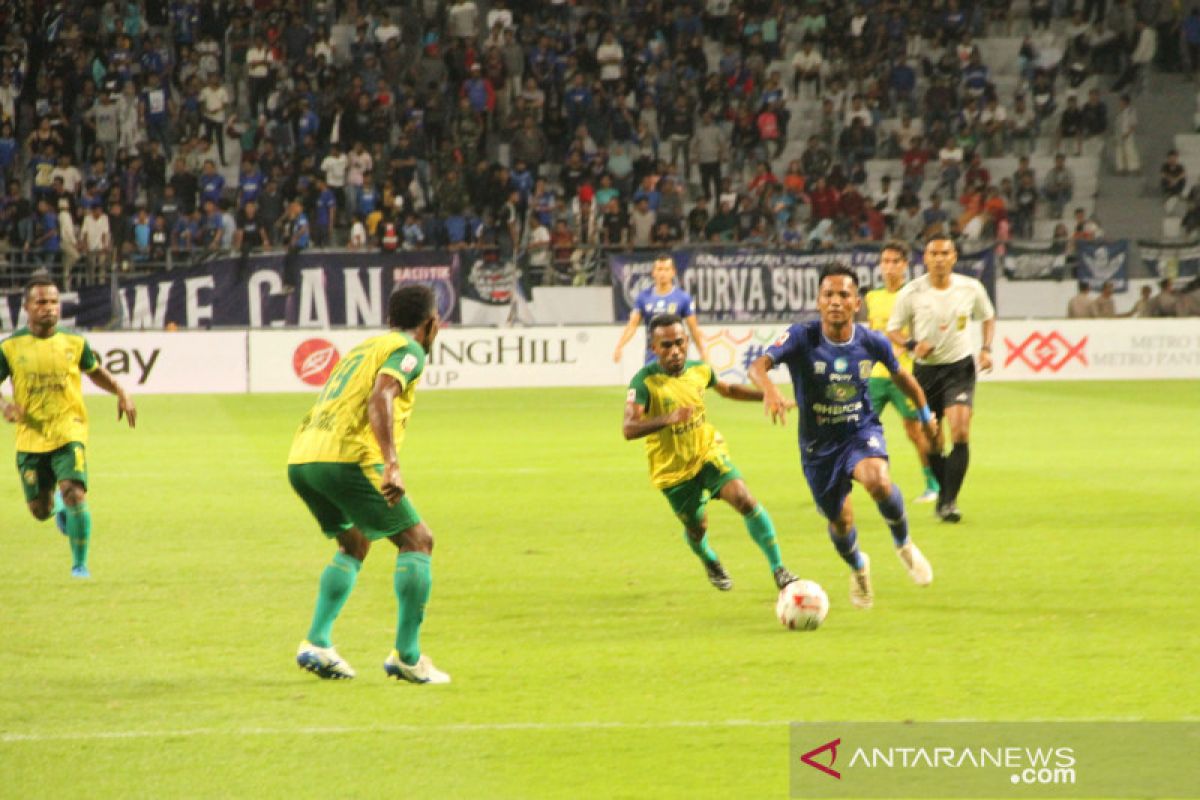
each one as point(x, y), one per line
point(924, 414)
point(910, 345)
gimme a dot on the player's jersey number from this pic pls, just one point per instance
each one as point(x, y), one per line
point(340, 377)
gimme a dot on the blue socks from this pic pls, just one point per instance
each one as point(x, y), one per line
point(847, 547)
point(892, 509)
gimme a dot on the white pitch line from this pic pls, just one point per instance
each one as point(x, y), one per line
point(465, 727)
point(477, 727)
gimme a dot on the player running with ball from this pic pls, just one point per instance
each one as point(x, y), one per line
point(688, 459)
point(841, 439)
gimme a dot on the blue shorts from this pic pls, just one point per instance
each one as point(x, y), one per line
point(830, 474)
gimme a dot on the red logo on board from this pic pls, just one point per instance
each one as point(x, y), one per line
point(1051, 351)
point(314, 359)
point(832, 747)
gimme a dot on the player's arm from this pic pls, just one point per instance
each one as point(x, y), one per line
point(902, 320)
point(697, 336)
point(381, 415)
point(104, 379)
point(635, 319)
point(985, 353)
point(773, 403)
point(12, 411)
point(637, 424)
point(741, 391)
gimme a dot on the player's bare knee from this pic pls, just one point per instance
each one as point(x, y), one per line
point(40, 510)
point(73, 493)
point(354, 544)
point(417, 539)
point(696, 531)
point(743, 501)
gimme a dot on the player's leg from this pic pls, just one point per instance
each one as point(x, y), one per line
point(69, 464)
point(413, 581)
point(875, 477)
point(758, 525)
point(38, 483)
point(912, 428)
point(317, 484)
point(931, 380)
point(958, 416)
point(844, 536)
point(688, 501)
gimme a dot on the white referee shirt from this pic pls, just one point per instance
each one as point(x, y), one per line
point(941, 316)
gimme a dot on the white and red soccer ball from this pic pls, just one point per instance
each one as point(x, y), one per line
point(802, 606)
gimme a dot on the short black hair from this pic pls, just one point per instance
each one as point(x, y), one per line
point(38, 279)
point(664, 321)
point(897, 245)
point(838, 268)
point(1084, 286)
point(409, 306)
point(940, 237)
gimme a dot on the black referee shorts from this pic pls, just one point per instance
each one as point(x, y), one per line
point(947, 384)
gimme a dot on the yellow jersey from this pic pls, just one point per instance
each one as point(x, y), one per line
point(677, 453)
point(880, 303)
point(46, 378)
point(337, 428)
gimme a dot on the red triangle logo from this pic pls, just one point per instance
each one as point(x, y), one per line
point(832, 747)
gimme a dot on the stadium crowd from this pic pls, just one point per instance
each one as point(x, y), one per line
point(156, 131)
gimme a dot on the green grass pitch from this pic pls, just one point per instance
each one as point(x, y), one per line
point(590, 657)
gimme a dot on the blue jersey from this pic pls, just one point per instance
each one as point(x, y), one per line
point(650, 304)
point(830, 381)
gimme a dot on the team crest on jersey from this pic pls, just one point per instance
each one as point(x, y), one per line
point(840, 365)
point(841, 392)
point(864, 370)
point(408, 363)
point(783, 337)
point(671, 308)
point(818, 366)
point(30, 477)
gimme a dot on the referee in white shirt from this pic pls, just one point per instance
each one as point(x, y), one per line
point(938, 307)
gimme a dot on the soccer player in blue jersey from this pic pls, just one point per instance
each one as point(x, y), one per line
point(841, 438)
point(664, 297)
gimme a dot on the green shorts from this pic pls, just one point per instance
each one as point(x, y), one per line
point(41, 472)
point(343, 496)
point(689, 498)
point(883, 391)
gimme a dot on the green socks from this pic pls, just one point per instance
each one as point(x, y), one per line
point(701, 548)
point(931, 481)
point(336, 583)
point(79, 533)
point(413, 581)
point(762, 531)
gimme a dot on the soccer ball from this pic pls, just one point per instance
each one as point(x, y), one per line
point(802, 606)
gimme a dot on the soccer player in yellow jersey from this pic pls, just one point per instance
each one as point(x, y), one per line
point(343, 464)
point(893, 266)
point(688, 459)
point(45, 364)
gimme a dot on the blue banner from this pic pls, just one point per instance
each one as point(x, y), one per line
point(1100, 262)
point(330, 290)
point(743, 285)
point(1171, 260)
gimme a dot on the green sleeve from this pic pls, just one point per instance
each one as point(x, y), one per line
point(87, 358)
point(712, 376)
point(638, 391)
point(405, 364)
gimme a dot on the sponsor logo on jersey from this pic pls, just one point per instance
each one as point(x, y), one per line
point(864, 369)
point(818, 366)
point(840, 365)
point(408, 363)
point(314, 359)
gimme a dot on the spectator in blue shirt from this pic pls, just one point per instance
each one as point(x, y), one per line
point(212, 183)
